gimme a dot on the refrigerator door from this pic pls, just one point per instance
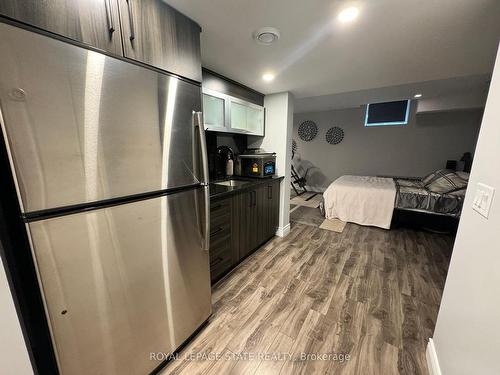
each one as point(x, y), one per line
point(123, 282)
point(84, 127)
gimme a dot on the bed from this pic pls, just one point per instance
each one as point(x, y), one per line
point(369, 200)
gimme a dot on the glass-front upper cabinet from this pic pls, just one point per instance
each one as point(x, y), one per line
point(214, 111)
point(255, 120)
point(229, 114)
point(239, 119)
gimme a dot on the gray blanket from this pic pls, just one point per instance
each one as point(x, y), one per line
point(412, 195)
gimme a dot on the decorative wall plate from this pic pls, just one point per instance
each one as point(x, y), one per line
point(308, 130)
point(334, 135)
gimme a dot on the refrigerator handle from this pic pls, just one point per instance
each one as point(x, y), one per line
point(203, 147)
point(198, 121)
point(206, 224)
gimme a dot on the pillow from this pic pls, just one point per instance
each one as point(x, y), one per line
point(446, 183)
point(432, 176)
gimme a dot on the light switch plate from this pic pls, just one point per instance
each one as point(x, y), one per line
point(482, 199)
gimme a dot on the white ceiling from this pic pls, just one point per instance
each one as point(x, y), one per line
point(392, 43)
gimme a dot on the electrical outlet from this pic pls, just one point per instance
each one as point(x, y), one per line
point(482, 199)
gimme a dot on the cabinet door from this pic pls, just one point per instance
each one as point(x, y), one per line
point(239, 116)
point(255, 120)
point(260, 216)
point(221, 254)
point(93, 22)
point(246, 117)
point(213, 112)
point(156, 34)
point(247, 223)
point(269, 214)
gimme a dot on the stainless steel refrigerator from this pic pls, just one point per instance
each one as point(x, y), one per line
point(109, 163)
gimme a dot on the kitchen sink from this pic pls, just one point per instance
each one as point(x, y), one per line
point(232, 183)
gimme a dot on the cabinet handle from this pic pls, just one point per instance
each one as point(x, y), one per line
point(251, 199)
point(254, 198)
point(216, 231)
point(131, 19)
point(109, 16)
point(216, 261)
point(269, 192)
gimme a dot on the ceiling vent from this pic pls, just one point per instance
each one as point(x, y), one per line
point(266, 35)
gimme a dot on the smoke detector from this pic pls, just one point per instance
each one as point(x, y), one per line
point(266, 35)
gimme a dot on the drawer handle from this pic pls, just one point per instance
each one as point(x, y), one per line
point(216, 261)
point(131, 19)
point(216, 231)
point(109, 16)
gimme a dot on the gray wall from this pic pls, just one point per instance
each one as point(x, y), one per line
point(467, 334)
point(416, 149)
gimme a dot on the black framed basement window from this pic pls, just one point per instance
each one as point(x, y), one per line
point(388, 113)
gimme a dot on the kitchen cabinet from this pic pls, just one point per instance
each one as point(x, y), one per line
point(222, 254)
point(225, 113)
point(256, 216)
point(158, 35)
point(249, 205)
point(214, 110)
point(93, 22)
point(151, 31)
point(231, 107)
point(240, 224)
point(255, 119)
point(246, 117)
point(270, 214)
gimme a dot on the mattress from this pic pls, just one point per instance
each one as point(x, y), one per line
point(412, 195)
point(363, 200)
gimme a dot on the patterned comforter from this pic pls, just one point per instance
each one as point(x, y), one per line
point(412, 195)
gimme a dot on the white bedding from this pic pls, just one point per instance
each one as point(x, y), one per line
point(362, 200)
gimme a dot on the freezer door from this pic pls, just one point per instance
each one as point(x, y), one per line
point(122, 282)
point(83, 127)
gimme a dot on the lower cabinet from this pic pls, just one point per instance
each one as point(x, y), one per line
point(222, 253)
point(240, 224)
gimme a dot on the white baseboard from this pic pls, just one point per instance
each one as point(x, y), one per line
point(432, 359)
point(283, 231)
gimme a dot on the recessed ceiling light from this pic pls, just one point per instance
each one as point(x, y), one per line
point(417, 96)
point(348, 14)
point(266, 35)
point(268, 77)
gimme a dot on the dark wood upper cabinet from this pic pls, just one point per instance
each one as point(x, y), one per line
point(157, 34)
point(150, 31)
point(93, 22)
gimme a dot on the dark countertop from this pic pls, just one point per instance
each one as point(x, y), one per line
point(221, 191)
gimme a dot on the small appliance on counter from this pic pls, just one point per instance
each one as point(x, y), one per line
point(256, 162)
point(224, 162)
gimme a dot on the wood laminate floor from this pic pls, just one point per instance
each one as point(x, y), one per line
point(368, 292)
